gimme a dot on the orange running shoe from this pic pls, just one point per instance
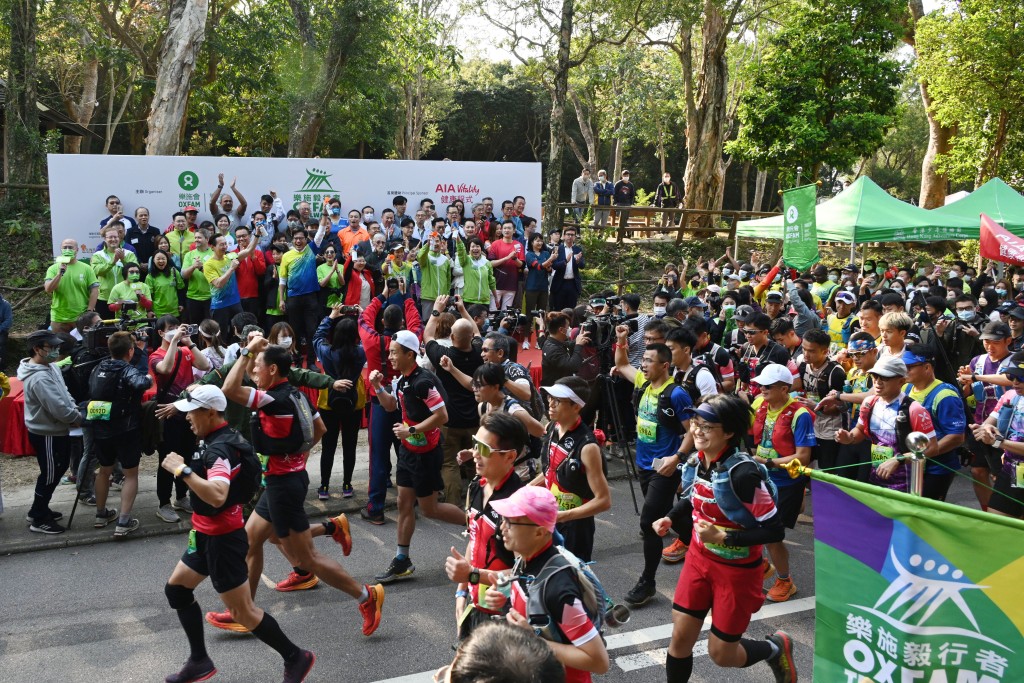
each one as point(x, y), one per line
point(223, 620)
point(676, 552)
point(782, 591)
point(297, 582)
point(342, 536)
point(768, 569)
point(371, 607)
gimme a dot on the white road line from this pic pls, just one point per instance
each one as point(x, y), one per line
point(642, 636)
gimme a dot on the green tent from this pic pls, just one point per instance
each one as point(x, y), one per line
point(864, 212)
point(995, 199)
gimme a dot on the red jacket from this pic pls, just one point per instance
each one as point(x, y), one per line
point(250, 272)
point(353, 282)
point(376, 345)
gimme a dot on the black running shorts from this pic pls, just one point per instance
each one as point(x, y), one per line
point(420, 471)
point(222, 558)
point(283, 503)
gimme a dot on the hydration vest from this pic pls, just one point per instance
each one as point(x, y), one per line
point(783, 439)
point(667, 417)
point(288, 404)
point(721, 485)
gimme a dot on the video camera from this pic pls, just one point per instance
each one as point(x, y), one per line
point(95, 338)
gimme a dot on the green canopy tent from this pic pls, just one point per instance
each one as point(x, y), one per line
point(864, 212)
point(995, 199)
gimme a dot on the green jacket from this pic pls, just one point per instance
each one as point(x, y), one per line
point(108, 272)
point(478, 280)
point(437, 279)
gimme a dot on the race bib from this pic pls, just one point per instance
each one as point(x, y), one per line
point(766, 453)
point(880, 454)
point(566, 501)
point(418, 440)
point(191, 541)
point(646, 431)
point(98, 410)
point(1018, 476)
point(728, 552)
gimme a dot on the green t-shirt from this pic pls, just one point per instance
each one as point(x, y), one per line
point(130, 291)
point(109, 272)
point(71, 297)
point(165, 291)
point(334, 283)
point(198, 285)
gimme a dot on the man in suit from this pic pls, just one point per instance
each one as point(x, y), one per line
point(567, 278)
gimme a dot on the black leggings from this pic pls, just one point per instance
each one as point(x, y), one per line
point(659, 497)
point(345, 423)
point(178, 438)
point(936, 486)
point(303, 315)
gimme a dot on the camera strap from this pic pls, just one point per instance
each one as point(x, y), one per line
point(162, 391)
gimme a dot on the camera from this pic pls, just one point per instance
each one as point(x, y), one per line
point(613, 301)
point(538, 314)
point(349, 310)
point(192, 330)
point(632, 322)
point(392, 283)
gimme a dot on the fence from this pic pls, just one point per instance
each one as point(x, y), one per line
point(640, 219)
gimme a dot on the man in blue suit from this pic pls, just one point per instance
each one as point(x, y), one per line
point(566, 275)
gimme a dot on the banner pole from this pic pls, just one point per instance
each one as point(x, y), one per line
point(853, 251)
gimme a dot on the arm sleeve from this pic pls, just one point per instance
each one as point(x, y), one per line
point(752, 491)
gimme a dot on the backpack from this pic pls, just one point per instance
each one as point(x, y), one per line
point(300, 437)
point(600, 607)
point(667, 417)
point(249, 478)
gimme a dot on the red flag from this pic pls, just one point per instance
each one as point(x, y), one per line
point(998, 244)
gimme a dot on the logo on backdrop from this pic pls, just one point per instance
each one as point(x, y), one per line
point(792, 214)
point(316, 188)
point(188, 181)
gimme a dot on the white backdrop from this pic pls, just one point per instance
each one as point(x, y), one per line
point(80, 184)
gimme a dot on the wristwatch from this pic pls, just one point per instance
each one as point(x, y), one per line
point(769, 463)
point(474, 576)
point(185, 471)
point(435, 313)
point(245, 352)
point(998, 442)
point(412, 429)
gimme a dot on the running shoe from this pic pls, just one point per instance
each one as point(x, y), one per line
point(46, 527)
point(342, 536)
point(371, 607)
point(182, 504)
point(377, 519)
point(322, 493)
point(104, 517)
point(68, 479)
point(122, 530)
point(767, 569)
point(782, 591)
point(397, 570)
point(167, 514)
point(194, 670)
point(676, 552)
point(296, 670)
point(784, 665)
point(224, 621)
point(297, 582)
point(346, 491)
point(51, 515)
point(88, 500)
point(641, 594)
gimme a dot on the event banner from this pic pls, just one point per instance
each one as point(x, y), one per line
point(999, 244)
point(910, 589)
point(80, 184)
point(799, 227)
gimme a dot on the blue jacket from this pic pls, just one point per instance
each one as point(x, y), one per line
point(536, 275)
point(558, 269)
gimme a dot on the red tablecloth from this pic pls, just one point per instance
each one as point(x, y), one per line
point(13, 435)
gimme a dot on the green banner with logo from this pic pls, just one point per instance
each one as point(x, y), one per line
point(911, 589)
point(799, 231)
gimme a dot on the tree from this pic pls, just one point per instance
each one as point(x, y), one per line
point(23, 149)
point(186, 30)
point(972, 57)
point(825, 89)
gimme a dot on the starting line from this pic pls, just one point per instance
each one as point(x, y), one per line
point(643, 636)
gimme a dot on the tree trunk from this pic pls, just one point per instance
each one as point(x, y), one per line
point(744, 181)
point(704, 172)
point(81, 111)
point(759, 183)
point(560, 87)
point(587, 130)
point(186, 30)
point(23, 148)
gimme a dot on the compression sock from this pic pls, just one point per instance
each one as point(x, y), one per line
point(270, 633)
point(402, 553)
point(329, 527)
point(300, 571)
point(782, 577)
point(191, 619)
point(758, 650)
point(678, 669)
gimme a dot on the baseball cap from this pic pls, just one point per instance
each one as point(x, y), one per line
point(918, 355)
point(743, 313)
point(694, 302)
point(536, 503)
point(190, 208)
point(714, 289)
point(204, 396)
point(846, 297)
point(409, 340)
point(890, 366)
point(1015, 367)
point(773, 373)
point(1006, 306)
point(704, 410)
point(41, 337)
point(996, 331)
point(562, 391)
point(851, 267)
point(773, 296)
point(1017, 312)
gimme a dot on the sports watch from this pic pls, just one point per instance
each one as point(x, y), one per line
point(412, 429)
point(474, 576)
point(245, 352)
point(185, 471)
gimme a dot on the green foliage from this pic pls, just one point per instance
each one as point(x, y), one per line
point(825, 89)
point(896, 166)
point(972, 56)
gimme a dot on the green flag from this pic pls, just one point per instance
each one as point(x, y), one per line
point(911, 589)
point(799, 232)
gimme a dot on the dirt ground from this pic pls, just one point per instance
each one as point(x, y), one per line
point(17, 472)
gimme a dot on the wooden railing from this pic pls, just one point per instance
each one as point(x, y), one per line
point(641, 219)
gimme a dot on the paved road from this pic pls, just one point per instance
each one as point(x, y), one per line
point(98, 612)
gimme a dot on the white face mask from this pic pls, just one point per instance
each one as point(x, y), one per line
point(367, 217)
point(285, 342)
point(659, 310)
point(743, 274)
point(897, 288)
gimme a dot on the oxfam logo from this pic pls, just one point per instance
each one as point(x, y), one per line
point(792, 214)
point(188, 180)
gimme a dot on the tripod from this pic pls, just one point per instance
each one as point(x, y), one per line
point(610, 407)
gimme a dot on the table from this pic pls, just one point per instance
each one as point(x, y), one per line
point(13, 435)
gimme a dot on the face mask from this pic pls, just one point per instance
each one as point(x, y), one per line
point(53, 355)
point(729, 308)
point(923, 289)
point(1001, 292)
point(950, 296)
point(293, 224)
point(726, 271)
point(284, 341)
point(367, 217)
point(335, 210)
point(659, 310)
point(953, 273)
point(778, 278)
point(68, 253)
point(966, 278)
point(833, 277)
point(850, 288)
point(133, 277)
point(743, 274)
point(897, 289)
point(966, 316)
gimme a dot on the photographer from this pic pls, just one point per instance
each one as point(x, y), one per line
point(114, 413)
point(560, 356)
point(957, 340)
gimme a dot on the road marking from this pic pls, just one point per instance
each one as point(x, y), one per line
point(641, 660)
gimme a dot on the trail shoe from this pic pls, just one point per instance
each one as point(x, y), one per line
point(297, 670)
point(397, 570)
point(167, 514)
point(122, 530)
point(377, 519)
point(104, 517)
point(783, 666)
point(223, 620)
point(297, 582)
point(371, 607)
point(323, 493)
point(51, 515)
point(194, 670)
point(182, 504)
point(641, 594)
point(342, 536)
point(675, 552)
point(782, 591)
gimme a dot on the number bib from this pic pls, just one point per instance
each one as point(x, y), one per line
point(1018, 478)
point(880, 454)
point(728, 552)
point(418, 440)
point(566, 500)
point(646, 431)
point(98, 410)
point(191, 541)
point(766, 453)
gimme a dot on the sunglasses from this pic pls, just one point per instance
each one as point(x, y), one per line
point(505, 521)
point(192, 399)
point(485, 450)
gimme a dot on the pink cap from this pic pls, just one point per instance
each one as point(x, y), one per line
point(533, 502)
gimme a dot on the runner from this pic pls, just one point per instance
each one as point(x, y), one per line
point(731, 503)
point(1004, 430)
point(279, 431)
point(217, 543)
